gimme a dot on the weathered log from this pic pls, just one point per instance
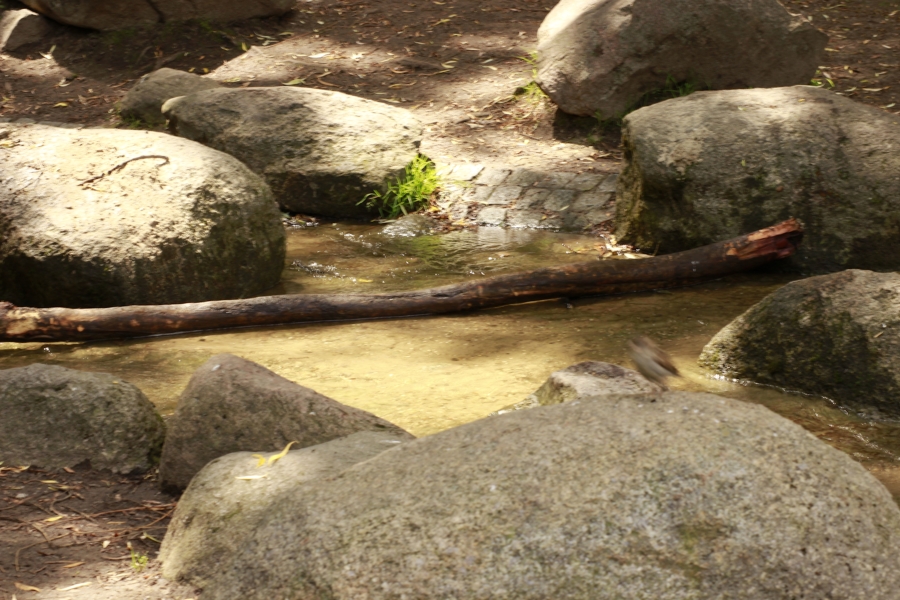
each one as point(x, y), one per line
point(582, 279)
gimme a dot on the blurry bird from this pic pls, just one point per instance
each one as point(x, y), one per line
point(652, 361)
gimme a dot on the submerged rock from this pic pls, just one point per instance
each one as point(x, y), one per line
point(103, 217)
point(583, 380)
point(320, 151)
point(835, 335)
point(233, 405)
point(54, 417)
point(715, 165)
point(144, 101)
point(600, 57)
point(413, 225)
point(691, 496)
point(227, 498)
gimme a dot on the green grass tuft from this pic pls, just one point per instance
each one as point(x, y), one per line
point(409, 193)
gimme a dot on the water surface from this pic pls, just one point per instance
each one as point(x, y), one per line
point(427, 374)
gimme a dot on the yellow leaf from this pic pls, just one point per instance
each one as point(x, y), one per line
point(831, 50)
point(26, 588)
point(294, 81)
point(105, 543)
point(275, 457)
point(260, 460)
point(49, 481)
point(244, 46)
point(60, 104)
point(74, 587)
point(51, 519)
point(364, 280)
point(233, 80)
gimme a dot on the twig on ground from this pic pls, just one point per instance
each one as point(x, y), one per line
point(122, 164)
point(19, 551)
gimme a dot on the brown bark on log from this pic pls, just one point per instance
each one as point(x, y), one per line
point(583, 279)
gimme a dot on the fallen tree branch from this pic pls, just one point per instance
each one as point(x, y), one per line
point(583, 279)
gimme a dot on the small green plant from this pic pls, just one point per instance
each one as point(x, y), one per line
point(531, 92)
point(409, 193)
point(530, 58)
point(138, 560)
point(132, 123)
point(821, 80)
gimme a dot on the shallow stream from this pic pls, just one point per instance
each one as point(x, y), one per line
point(431, 373)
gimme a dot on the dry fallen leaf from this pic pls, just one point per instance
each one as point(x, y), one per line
point(74, 587)
point(26, 588)
point(275, 457)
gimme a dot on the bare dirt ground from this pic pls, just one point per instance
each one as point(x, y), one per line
point(82, 535)
point(456, 63)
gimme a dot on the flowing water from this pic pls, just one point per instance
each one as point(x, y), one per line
point(430, 373)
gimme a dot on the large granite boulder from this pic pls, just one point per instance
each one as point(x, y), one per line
point(714, 165)
point(227, 498)
point(834, 335)
point(21, 27)
point(144, 101)
point(121, 14)
point(600, 57)
point(103, 217)
point(320, 151)
point(582, 380)
point(233, 405)
point(690, 496)
point(54, 417)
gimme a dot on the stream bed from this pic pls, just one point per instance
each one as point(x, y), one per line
point(427, 374)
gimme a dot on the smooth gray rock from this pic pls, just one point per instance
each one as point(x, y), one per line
point(227, 498)
point(122, 14)
point(583, 380)
point(834, 335)
point(599, 57)
point(20, 27)
point(715, 165)
point(102, 217)
point(54, 417)
point(144, 101)
point(233, 405)
point(320, 151)
point(692, 496)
